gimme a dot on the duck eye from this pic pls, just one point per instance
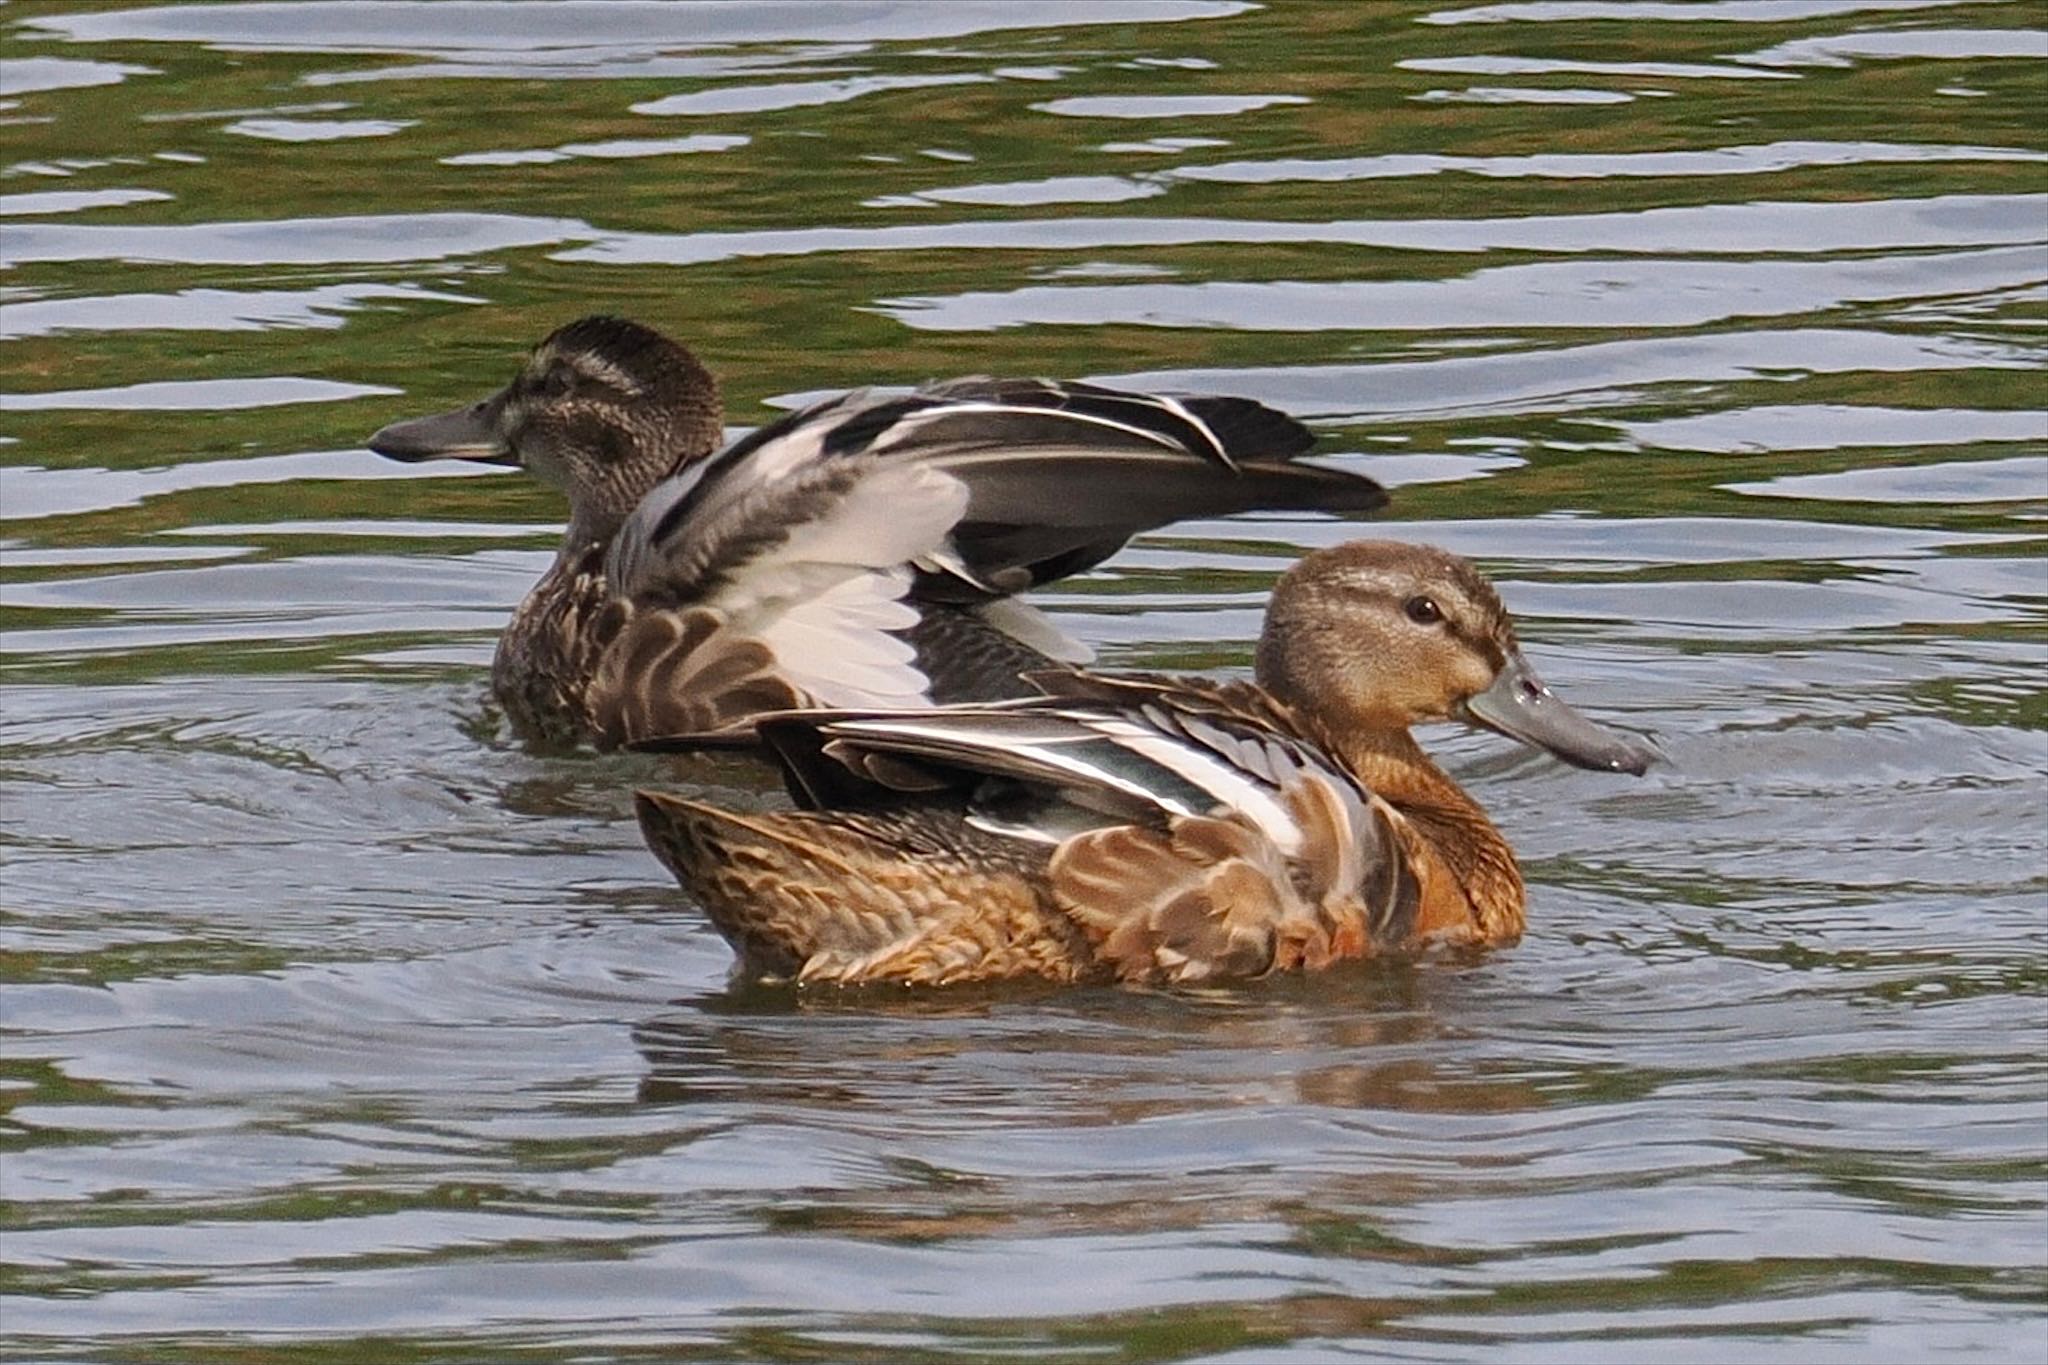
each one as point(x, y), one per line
point(1423, 611)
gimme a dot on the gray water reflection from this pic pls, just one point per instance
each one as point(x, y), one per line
point(178, 395)
point(339, 1026)
point(207, 310)
point(1830, 426)
point(1792, 229)
point(1684, 11)
point(507, 28)
point(758, 99)
point(1606, 294)
point(375, 239)
point(2017, 480)
point(1761, 159)
point(26, 75)
point(1601, 374)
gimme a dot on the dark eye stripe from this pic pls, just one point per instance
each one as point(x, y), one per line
point(1481, 643)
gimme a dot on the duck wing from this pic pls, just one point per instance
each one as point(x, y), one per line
point(1059, 474)
point(1189, 833)
point(1062, 474)
point(1129, 749)
point(738, 596)
point(829, 537)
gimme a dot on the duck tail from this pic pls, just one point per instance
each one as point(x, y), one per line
point(742, 869)
point(841, 897)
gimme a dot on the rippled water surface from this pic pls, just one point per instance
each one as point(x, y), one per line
point(341, 1027)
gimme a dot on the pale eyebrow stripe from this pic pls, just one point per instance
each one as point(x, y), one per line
point(603, 371)
point(587, 365)
point(1483, 644)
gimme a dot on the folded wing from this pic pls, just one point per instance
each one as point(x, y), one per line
point(1186, 835)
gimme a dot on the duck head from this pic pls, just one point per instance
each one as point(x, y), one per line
point(603, 409)
point(1379, 635)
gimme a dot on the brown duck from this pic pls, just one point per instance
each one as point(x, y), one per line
point(863, 552)
point(1152, 829)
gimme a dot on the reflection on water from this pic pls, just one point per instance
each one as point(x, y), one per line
point(1736, 229)
point(1592, 294)
point(339, 1023)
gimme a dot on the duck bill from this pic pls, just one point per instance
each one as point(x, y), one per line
point(469, 433)
point(1519, 706)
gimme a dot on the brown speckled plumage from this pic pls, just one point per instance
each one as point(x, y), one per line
point(904, 895)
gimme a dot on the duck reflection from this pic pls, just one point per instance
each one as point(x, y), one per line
point(1368, 1038)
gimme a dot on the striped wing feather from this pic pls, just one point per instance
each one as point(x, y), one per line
point(1212, 897)
point(683, 672)
point(1028, 449)
point(770, 597)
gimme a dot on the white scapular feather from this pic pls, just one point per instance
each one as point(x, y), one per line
point(632, 561)
point(799, 447)
point(906, 430)
point(1179, 409)
point(1028, 625)
point(894, 515)
point(1233, 787)
point(1361, 835)
point(1061, 752)
point(825, 598)
point(835, 644)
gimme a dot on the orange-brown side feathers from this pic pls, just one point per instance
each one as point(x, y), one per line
point(856, 899)
point(1365, 869)
point(1198, 902)
point(1212, 897)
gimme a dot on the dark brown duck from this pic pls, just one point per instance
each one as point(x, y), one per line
point(863, 552)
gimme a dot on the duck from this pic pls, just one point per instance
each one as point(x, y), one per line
point(866, 550)
point(1147, 829)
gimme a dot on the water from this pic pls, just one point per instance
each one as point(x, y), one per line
point(340, 1027)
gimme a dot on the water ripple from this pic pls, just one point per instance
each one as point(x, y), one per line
point(342, 1025)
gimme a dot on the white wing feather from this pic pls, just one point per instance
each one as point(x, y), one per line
point(824, 600)
point(835, 644)
point(1028, 625)
point(1232, 786)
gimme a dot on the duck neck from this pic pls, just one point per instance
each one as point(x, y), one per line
point(600, 504)
point(595, 518)
point(1394, 767)
point(587, 526)
point(542, 660)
